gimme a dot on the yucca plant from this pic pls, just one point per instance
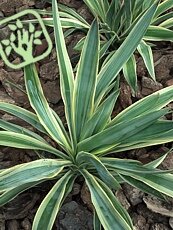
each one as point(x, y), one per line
point(92, 134)
point(116, 19)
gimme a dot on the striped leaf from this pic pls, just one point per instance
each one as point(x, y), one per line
point(146, 53)
point(100, 118)
point(23, 114)
point(111, 214)
point(116, 134)
point(142, 186)
point(18, 129)
point(85, 82)
point(22, 141)
point(129, 71)
point(110, 71)
point(42, 109)
point(146, 105)
point(161, 182)
point(9, 195)
point(35, 171)
point(49, 208)
point(167, 23)
point(102, 171)
point(163, 7)
point(156, 33)
point(96, 8)
point(66, 71)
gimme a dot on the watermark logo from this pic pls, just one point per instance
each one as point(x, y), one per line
point(23, 38)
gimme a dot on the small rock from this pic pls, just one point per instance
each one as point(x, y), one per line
point(140, 222)
point(26, 224)
point(122, 199)
point(76, 189)
point(86, 197)
point(133, 194)
point(49, 70)
point(2, 222)
point(125, 95)
point(5, 98)
point(74, 217)
point(169, 82)
point(158, 206)
point(149, 86)
point(13, 225)
point(52, 91)
point(159, 226)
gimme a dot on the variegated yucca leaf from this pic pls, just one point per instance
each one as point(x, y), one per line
point(92, 133)
point(117, 19)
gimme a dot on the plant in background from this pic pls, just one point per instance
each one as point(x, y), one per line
point(92, 134)
point(116, 19)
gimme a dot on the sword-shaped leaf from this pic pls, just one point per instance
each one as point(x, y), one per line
point(23, 114)
point(157, 33)
point(18, 129)
point(129, 70)
point(85, 82)
point(116, 134)
point(42, 109)
point(66, 71)
point(146, 53)
point(34, 171)
point(49, 208)
point(110, 71)
point(111, 214)
point(22, 141)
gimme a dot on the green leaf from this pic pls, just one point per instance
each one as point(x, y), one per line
point(12, 37)
point(116, 134)
point(85, 82)
point(106, 46)
point(23, 114)
point(71, 13)
point(146, 53)
point(167, 23)
point(35, 171)
point(66, 71)
point(31, 28)
point(142, 186)
point(96, 8)
point(8, 50)
point(101, 117)
point(12, 27)
point(13, 192)
point(37, 42)
point(19, 24)
point(37, 34)
point(163, 7)
point(158, 133)
point(129, 70)
point(111, 214)
point(102, 171)
point(146, 105)
point(156, 33)
point(22, 141)
point(160, 182)
point(42, 109)
point(110, 71)
point(18, 129)
point(96, 222)
point(47, 212)
point(6, 42)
